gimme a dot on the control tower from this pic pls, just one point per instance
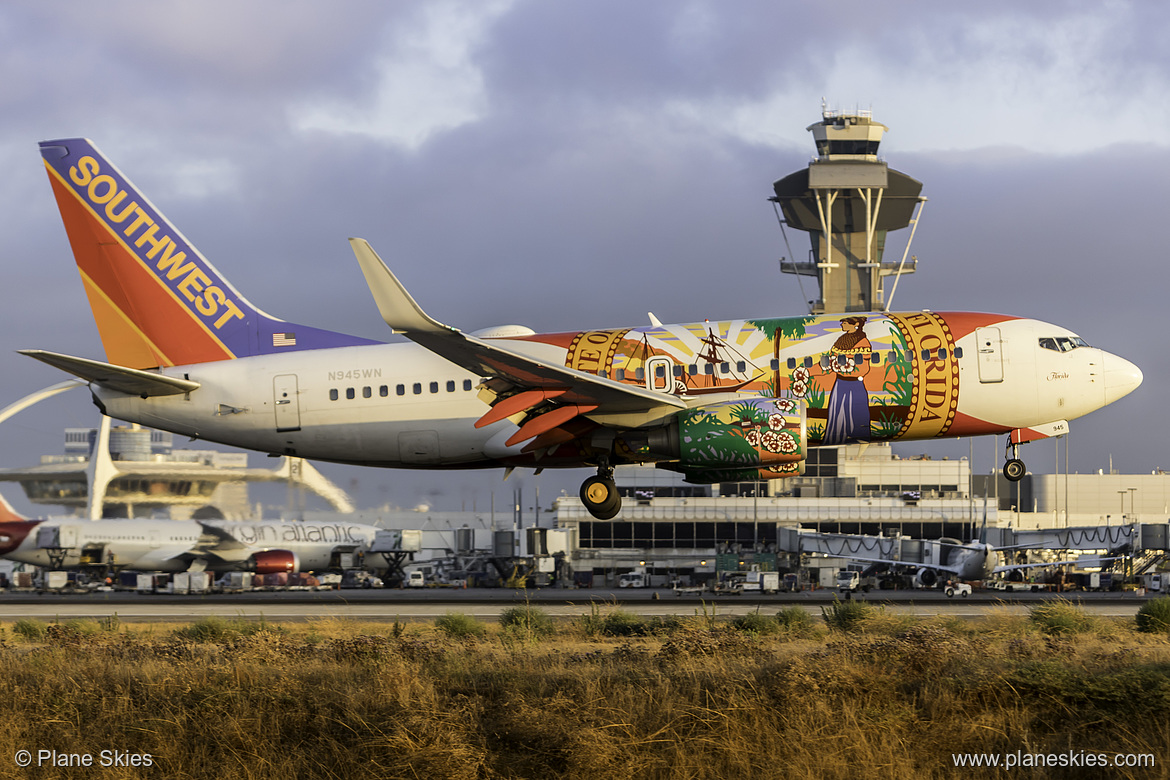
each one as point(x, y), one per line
point(847, 200)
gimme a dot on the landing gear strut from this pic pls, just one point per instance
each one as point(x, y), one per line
point(600, 495)
point(1014, 469)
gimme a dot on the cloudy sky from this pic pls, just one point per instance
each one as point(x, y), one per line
point(570, 165)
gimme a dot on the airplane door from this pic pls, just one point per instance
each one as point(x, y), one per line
point(990, 355)
point(288, 408)
point(659, 374)
point(67, 536)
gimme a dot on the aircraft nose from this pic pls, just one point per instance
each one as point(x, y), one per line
point(1121, 377)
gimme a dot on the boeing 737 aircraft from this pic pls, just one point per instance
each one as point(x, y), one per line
point(264, 547)
point(738, 399)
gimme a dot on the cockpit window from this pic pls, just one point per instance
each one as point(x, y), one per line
point(1062, 343)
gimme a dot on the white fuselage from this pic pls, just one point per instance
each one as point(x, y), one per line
point(172, 545)
point(400, 405)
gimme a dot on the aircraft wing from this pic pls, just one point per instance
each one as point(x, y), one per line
point(125, 380)
point(910, 564)
point(572, 392)
point(1038, 565)
point(217, 540)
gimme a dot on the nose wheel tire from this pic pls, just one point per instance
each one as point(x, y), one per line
point(1014, 470)
point(600, 496)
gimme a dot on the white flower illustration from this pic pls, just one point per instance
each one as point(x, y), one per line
point(842, 364)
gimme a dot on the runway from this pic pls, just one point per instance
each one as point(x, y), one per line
point(487, 604)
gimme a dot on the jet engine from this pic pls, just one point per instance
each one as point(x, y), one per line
point(925, 578)
point(742, 439)
point(274, 562)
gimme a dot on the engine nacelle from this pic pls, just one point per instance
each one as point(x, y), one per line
point(925, 578)
point(745, 439)
point(274, 562)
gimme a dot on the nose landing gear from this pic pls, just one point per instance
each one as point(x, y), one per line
point(600, 495)
point(1014, 469)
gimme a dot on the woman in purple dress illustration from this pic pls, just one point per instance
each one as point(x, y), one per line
point(848, 407)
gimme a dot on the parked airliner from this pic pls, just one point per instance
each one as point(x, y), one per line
point(264, 547)
point(736, 399)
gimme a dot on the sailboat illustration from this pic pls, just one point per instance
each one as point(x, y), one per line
point(721, 368)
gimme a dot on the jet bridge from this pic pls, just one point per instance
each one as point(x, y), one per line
point(862, 547)
point(1112, 538)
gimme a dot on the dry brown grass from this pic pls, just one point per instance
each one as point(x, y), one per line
point(689, 699)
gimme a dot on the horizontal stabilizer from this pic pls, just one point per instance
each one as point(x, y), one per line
point(132, 381)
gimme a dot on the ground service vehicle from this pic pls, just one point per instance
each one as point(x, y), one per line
point(957, 589)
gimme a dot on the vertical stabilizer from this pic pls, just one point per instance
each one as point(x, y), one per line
point(157, 301)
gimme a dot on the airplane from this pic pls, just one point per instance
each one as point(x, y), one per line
point(969, 561)
point(727, 400)
point(263, 547)
point(963, 561)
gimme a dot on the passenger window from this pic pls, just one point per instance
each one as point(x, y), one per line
point(367, 392)
point(417, 388)
point(400, 389)
point(942, 354)
point(383, 391)
point(808, 362)
point(333, 394)
point(741, 366)
point(349, 393)
point(709, 369)
point(620, 375)
point(451, 386)
point(791, 363)
point(466, 385)
point(434, 387)
point(660, 372)
point(724, 368)
point(958, 352)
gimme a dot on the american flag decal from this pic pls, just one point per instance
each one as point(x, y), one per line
point(284, 339)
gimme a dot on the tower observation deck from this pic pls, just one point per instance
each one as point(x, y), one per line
point(847, 200)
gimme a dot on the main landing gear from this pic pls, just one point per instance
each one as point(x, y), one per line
point(1014, 469)
point(600, 495)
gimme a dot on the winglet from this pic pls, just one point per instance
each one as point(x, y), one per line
point(396, 305)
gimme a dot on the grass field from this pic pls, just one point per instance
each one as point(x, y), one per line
point(857, 694)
